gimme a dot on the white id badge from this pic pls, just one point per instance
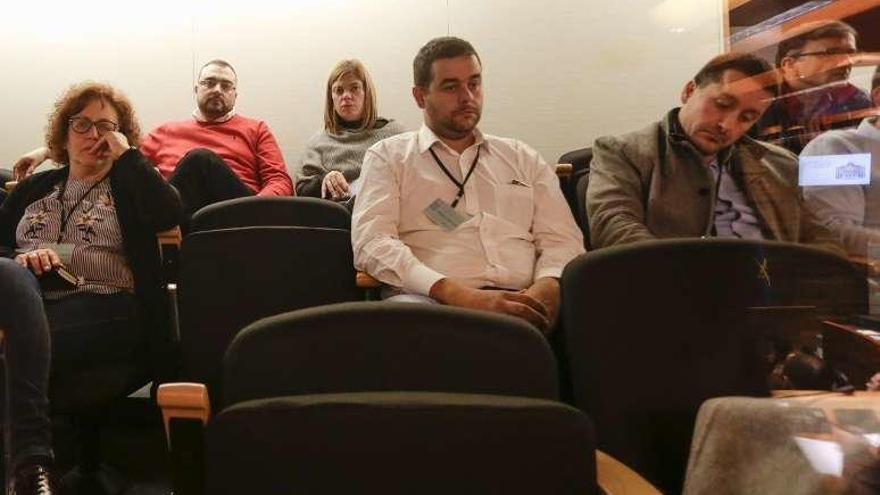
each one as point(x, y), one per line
point(444, 215)
point(63, 250)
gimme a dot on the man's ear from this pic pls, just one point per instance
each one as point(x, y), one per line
point(418, 93)
point(688, 90)
point(875, 96)
point(787, 67)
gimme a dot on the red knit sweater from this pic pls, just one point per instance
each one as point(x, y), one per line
point(246, 145)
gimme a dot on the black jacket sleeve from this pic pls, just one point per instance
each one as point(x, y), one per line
point(12, 209)
point(155, 203)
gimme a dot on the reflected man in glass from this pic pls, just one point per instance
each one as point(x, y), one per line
point(851, 212)
point(816, 95)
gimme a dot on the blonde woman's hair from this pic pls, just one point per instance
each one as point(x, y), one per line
point(332, 121)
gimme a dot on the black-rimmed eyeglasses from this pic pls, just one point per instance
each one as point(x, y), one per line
point(831, 52)
point(210, 83)
point(82, 125)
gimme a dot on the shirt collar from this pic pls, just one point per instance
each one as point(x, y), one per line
point(867, 129)
point(427, 139)
point(197, 114)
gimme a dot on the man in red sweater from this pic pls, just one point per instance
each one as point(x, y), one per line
point(214, 156)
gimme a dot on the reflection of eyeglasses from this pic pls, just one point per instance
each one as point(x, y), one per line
point(210, 83)
point(82, 125)
point(831, 52)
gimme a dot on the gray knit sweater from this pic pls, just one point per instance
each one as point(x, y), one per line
point(344, 152)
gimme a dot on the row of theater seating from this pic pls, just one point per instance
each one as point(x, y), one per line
point(647, 331)
point(371, 396)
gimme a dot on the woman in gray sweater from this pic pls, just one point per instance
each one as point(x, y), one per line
point(332, 159)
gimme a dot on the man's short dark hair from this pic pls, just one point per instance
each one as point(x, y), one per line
point(221, 63)
point(746, 63)
point(823, 29)
point(437, 48)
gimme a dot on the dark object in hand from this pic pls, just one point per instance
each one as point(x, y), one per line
point(58, 279)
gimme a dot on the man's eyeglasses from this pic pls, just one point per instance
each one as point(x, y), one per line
point(82, 125)
point(210, 83)
point(831, 52)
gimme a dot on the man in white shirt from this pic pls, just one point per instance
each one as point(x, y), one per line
point(452, 215)
point(851, 212)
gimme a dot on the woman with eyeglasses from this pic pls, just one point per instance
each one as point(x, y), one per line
point(79, 265)
point(332, 159)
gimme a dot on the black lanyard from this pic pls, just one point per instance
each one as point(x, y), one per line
point(467, 177)
point(65, 217)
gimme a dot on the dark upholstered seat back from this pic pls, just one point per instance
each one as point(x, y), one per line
point(271, 210)
point(373, 397)
point(400, 443)
point(379, 346)
point(574, 187)
point(582, 182)
point(653, 329)
point(6, 175)
point(230, 278)
point(579, 159)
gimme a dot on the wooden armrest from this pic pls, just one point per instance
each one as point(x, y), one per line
point(169, 247)
point(10, 185)
point(870, 266)
point(365, 281)
point(564, 170)
point(615, 478)
point(183, 400)
point(170, 237)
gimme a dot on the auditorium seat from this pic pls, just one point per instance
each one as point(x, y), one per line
point(6, 175)
point(573, 170)
point(652, 329)
point(271, 210)
point(230, 278)
point(280, 211)
point(400, 443)
point(382, 397)
point(384, 346)
point(7, 183)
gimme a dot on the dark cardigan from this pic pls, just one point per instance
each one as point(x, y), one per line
point(145, 205)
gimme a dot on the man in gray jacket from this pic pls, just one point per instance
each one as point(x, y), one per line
point(695, 173)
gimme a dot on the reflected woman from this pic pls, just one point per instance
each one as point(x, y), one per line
point(332, 159)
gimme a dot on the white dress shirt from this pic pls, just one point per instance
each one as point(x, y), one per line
point(520, 228)
point(852, 212)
